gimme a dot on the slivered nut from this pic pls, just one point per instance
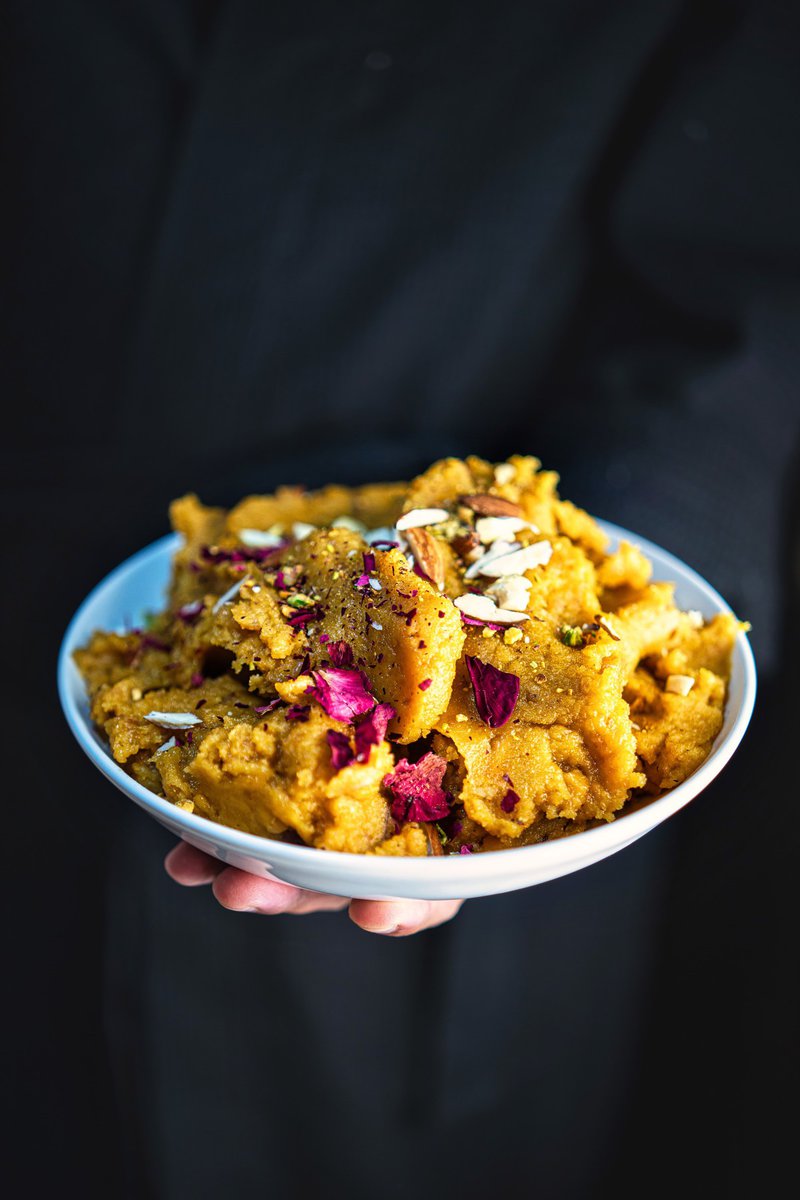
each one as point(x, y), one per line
point(681, 685)
point(491, 506)
point(427, 554)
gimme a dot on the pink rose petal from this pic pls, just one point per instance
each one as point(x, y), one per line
point(416, 789)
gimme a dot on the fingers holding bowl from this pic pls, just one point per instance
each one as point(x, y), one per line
point(401, 918)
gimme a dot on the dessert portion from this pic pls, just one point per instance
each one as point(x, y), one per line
point(448, 666)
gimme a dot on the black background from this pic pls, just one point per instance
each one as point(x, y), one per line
point(241, 248)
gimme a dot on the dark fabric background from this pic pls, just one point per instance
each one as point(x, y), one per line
point(249, 244)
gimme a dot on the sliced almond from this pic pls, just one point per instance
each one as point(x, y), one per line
point(492, 529)
point(605, 623)
point(516, 561)
point(491, 506)
point(483, 608)
point(496, 550)
point(232, 592)
point(511, 591)
point(173, 720)
point(260, 538)
point(417, 517)
point(427, 554)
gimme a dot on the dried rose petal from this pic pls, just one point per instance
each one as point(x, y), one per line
point(288, 577)
point(369, 561)
point(150, 639)
point(298, 712)
point(341, 654)
point(424, 685)
point(416, 789)
point(509, 801)
point(466, 849)
point(488, 624)
point(304, 615)
point(196, 680)
point(267, 708)
point(213, 554)
point(372, 730)
point(341, 751)
point(342, 692)
point(495, 691)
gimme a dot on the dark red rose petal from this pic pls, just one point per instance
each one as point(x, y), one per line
point(416, 789)
point(476, 621)
point(298, 712)
point(509, 801)
point(372, 730)
point(304, 615)
point(369, 561)
point(341, 751)
point(267, 708)
point(495, 691)
point(426, 683)
point(340, 653)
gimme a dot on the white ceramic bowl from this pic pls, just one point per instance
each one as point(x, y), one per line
point(138, 586)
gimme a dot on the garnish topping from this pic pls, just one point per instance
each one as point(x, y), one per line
point(341, 654)
point(190, 612)
point(260, 539)
point(418, 517)
point(424, 685)
point(486, 505)
point(267, 708)
point(226, 597)
point(509, 801)
point(213, 554)
point(495, 691)
point(416, 789)
point(497, 550)
point(681, 685)
point(372, 730)
point(342, 692)
point(514, 561)
point(170, 745)
point(298, 712)
point(427, 554)
point(492, 529)
point(173, 720)
point(341, 750)
point(484, 609)
point(511, 591)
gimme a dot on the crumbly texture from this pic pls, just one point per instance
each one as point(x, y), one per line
point(309, 680)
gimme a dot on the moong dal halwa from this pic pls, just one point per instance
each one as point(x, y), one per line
point(453, 665)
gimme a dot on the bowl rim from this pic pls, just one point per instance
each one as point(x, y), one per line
point(510, 861)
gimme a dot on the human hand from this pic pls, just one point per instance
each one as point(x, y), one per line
point(241, 892)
